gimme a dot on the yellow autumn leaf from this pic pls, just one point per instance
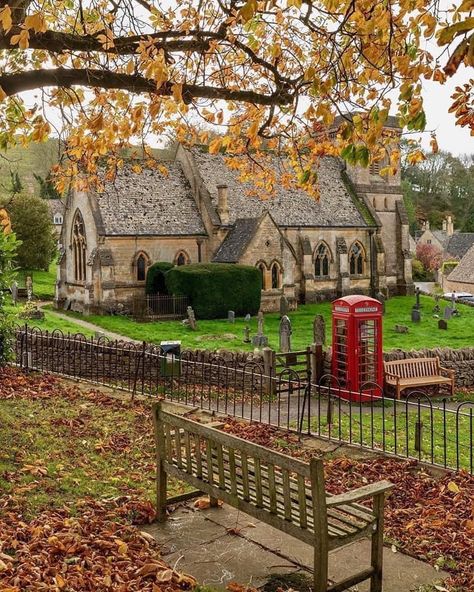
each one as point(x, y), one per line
point(453, 487)
point(22, 40)
point(60, 582)
point(6, 18)
point(177, 90)
point(36, 22)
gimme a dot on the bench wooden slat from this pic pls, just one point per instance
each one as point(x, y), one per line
point(245, 476)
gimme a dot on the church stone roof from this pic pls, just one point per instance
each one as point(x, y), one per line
point(237, 240)
point(464, 271)
point(149, 203)
point(459, 244)
point(288, 207)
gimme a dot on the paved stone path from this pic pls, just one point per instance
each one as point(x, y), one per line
point(90, 326)
point(221, 545)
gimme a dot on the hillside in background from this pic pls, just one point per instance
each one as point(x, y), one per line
point(37, 158)
point(441, 185)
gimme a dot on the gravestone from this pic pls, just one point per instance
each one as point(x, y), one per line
point(417, 304)
point(285, 334)
point(14, 290)
point(401, 329)
point(231, 316)
point(283, 306)
point(415, 315)
point(29, 287)
point(442, 324)
point(260, 340)
point(247, 334)
point(436, 308)
point(247, 318)
point(319, 330)
point(448, 313)
point(191, 318)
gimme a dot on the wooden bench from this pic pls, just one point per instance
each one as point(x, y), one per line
point(417, 373)
point(281, 491)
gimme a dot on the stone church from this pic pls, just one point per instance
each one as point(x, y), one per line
point(354, 239)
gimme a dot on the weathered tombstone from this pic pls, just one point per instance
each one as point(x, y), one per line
point(319, 330)
point(231, 316)
point(283, 306)
point(417, 305)
point(442, 324)
point(436, 308)
point(285, 334)
point(260, 340)
point(415, 315)
point(14, 290)
point(191, 318)
point(247, 318)
point(260, 322)
point(247, 334)
point(448, 313)
point(29, 287)
point(401, 329)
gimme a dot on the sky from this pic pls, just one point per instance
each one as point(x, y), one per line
point(437, 100)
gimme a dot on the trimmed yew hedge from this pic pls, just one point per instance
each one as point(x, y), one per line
point(216, 288)
point(155, 278)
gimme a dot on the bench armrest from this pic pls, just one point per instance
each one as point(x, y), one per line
point(359, 494)
point(390, 375)
point(448, 371)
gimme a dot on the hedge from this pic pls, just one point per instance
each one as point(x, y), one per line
point(155, 277)
point(216, 288)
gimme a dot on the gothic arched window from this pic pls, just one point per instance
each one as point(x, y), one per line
point(79, 246)
point(182, 258)
point(276, 275)
point(356, 259)
point(141, 268)
point(321, 260)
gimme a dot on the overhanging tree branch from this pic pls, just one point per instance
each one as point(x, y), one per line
point(13, 84)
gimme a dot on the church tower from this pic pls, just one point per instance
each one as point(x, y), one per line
point(383, 196)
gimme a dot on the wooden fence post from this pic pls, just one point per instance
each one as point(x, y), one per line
point(316, 364)
point(269, 371)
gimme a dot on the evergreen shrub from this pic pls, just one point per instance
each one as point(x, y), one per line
point(155, 278)
point(216, 288)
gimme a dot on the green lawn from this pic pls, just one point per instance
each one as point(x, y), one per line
point(377, 430)
point(44, 282)
point(217, 334)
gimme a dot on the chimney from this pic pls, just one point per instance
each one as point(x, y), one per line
point(223, 203)
point(444, 224)
point(449, 226)
point(426, 225)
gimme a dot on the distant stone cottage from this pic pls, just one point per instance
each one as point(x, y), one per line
point(353, 240)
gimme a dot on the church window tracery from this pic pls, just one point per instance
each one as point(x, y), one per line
point(182, 258)
point(321, 260)
point(275, 275)
point(356, 259)
point(79, 247)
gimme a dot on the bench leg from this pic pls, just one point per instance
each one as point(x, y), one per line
point(377, 546)
point(320, 565)
point(161, 493)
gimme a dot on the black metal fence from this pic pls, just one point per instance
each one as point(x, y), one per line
point(160, 306)
point(440, 432)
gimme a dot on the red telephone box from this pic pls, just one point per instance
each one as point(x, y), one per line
point(357, 346)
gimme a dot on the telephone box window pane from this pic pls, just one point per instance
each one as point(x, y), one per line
point(367, 337)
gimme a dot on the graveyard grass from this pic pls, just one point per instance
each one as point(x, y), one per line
point(44, 282)
point(220, 334)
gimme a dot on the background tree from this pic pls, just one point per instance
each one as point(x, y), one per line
point(47, 188)
point(273, 74)
point(429, 256)
point(16, 186)
point(441, 185)
point(31, 222)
